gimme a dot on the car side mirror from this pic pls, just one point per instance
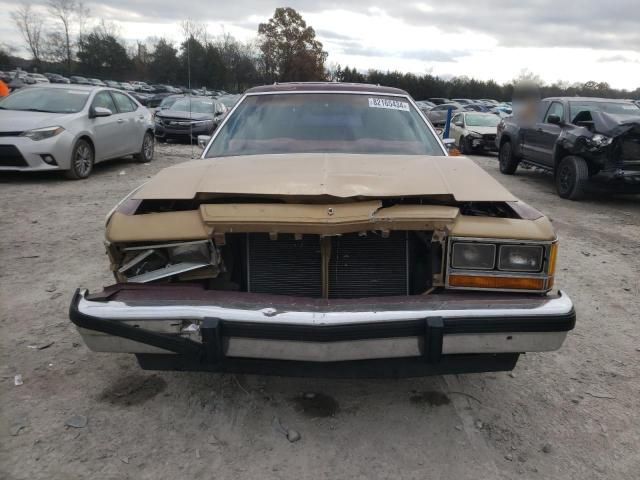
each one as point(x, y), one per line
point(203, 141)
point(100, 112)
point(439, 131)
point(554, 119)
point(458, 124)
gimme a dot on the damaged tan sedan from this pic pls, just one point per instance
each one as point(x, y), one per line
point(326, 232)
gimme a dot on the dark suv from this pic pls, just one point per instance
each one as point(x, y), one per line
point(580, 140)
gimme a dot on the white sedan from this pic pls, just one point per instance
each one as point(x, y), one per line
point(71, 128)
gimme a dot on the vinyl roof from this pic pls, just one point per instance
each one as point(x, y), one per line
point(326, 86)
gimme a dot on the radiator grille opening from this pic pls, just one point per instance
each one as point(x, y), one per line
point(360, 265)
point(371, 265)
point(10, 156)
point(285, 266)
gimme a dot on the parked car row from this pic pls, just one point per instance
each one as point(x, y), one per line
point(436, 109)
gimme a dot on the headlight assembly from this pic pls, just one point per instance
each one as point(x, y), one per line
point(43, 133)
point(521, 258)
point(494, 264)
point(473, 256)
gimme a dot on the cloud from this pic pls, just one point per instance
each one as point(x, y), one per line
point(617, 59)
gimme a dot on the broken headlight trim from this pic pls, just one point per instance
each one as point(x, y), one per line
point(520, 258)
point(43, 133)
point(600, 140)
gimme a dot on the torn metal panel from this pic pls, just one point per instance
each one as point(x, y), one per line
point(608, 141)
point(148, 263)
point(168, 271)
point(136, 260)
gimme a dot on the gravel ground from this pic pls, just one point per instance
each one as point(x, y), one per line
point(570, 414)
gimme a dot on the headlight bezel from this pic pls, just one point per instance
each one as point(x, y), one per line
point(497, 279)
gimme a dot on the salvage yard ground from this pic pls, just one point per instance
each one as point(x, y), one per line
point(570, 414)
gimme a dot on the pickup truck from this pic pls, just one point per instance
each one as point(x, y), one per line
point(579, 140)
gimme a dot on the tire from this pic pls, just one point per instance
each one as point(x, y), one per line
point(572, 175)
point(82, 160)
point(146, 152)
point(508, 163)
point(464, 147)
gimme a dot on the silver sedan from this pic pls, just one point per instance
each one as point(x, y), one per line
point(71, 128)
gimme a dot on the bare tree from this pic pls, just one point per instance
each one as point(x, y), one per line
point(29, 23)
point(55, 47)
point(65, 11)
point(196, 30)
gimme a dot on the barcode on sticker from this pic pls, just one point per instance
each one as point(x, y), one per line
point(390, 104)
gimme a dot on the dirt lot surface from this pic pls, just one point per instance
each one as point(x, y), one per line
point(570, 414)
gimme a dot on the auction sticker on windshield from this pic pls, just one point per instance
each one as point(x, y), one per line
point(390, 104)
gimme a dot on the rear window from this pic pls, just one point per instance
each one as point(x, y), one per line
point(324, 123)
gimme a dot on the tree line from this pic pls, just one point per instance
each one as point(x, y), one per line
point(285, 49)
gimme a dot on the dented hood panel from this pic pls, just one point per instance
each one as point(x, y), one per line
point(336, 175)
point(614, 125)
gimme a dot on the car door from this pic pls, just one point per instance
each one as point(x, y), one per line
point(530, 129)
point(132, 121)
point(106, 130)
point(548, 134)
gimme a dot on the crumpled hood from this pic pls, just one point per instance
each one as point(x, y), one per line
point(614, 125)
point(336, 175)
point(17, 121)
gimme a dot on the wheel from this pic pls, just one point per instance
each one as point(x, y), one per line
point(146, 152)
point(508, 164)
point(572, 175)
point(82, 158)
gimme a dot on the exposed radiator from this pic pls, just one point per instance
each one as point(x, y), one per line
point(359, 266)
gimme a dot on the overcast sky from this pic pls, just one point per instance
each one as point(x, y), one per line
point(570, 40)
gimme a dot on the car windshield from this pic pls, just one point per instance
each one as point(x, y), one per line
point(482, 120)
point(324, 123)
point(51, 100)
point(616, 108)
point(168, 101)
point(196, 105)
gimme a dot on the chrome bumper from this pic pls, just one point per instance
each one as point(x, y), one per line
point(213, 326)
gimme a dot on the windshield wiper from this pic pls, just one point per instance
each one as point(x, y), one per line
point(37, 110)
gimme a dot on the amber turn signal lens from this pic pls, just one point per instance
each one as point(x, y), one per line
point(553, 255)
point(508, 283)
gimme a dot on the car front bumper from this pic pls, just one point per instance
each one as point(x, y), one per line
point(188, 328)
point(167, 131)
point(21, 154)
